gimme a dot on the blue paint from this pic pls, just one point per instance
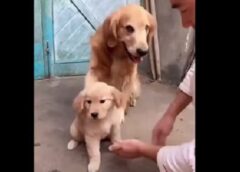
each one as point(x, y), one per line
point(49, 38)
point(38, 53)
point(38, 61)
point(92, 21)
point(71, 69)
point(71, 58)
point(66, 67)
point(39, 72)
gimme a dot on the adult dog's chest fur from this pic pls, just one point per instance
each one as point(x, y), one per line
point(122, 72)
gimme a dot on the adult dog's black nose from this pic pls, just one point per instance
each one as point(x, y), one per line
point(141, 52)
point(94, 115)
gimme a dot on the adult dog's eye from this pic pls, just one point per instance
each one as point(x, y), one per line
point(102, 101)
point(129, 29)
point(89, 101)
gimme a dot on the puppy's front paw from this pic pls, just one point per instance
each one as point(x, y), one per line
point(93, 167)
point(115, 140)
point(72, 144)
point(122, 119)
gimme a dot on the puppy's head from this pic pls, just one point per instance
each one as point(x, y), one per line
point(97, 100)
point(132, 26)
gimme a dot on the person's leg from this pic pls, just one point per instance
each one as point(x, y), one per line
point(180, 158)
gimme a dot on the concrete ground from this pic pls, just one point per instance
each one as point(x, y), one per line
point(54, 114)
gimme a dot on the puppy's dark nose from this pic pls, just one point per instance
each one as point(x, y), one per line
point(141, 52)
point(94, 115)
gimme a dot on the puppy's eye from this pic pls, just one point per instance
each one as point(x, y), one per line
point(102, 101)
point(89, 101)
point(129, 29)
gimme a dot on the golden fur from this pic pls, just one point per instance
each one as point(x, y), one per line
point(114, 58)
point(106, 101)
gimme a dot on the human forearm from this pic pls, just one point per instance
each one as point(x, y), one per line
point(180, 102)
point(149, 151)
point(134, 149)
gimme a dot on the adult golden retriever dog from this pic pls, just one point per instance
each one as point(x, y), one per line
point(117, 48)
point(98, 116)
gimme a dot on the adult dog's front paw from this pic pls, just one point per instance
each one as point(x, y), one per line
point(123, 118)
point(93, 167)
point(132, 101)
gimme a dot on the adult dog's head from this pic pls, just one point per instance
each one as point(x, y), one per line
point(133, 27)
point(96, 100)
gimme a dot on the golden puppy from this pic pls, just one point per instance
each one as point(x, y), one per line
point(117, 48)
point(99, 115)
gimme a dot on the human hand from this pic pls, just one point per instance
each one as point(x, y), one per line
point(162, 129)
point(127, 148)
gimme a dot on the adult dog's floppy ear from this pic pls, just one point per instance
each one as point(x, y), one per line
point(152, 26)
point(78, 103)
point(110, 29)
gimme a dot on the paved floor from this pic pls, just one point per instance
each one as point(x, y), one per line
point(54, 114)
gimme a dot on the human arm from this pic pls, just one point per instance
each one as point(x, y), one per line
point(134, 149)
point(184, 96)
point(165, 125)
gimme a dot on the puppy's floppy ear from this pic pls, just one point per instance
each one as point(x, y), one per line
point(110, 26)
point(118, 97)
point(78, 103)
point(152, 26)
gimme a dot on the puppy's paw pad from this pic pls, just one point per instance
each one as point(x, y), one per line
point(92, 167)
point(72, 144)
